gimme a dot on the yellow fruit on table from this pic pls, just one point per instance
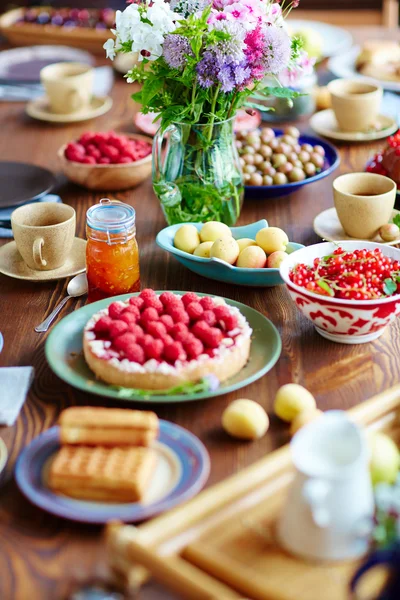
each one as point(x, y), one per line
point(304, 418)
point(245, 419)
point(272, 239)
point(245, 243)
point(276, 259)
point(291, 400)
point(384, 460)
point(225, 249)
point(187, 238)
point(213, 230)
point(203, 249)
point(252, 257)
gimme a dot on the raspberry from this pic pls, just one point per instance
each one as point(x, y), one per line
point(115, 309)
point(199, 329)
point(207, 303)
point(174, 352)
point(74, 151)
point(135, 353)
point(153, 302)
point(221, 312)
point(177, 329)
point(153, 349)
point(179, 314)
point(104, 160)
point(167, 339)
point(149, 314)
point(124, 159)
point(128, 318)
point(137, 331)
point(194, 310)
point(123, 341)
point(102, 325)
point(117, 328)
point(168, 299)
point(230, 322)
point(133, 310)
point(146, 294)
point(136, 301)
point(212, 337)
point(168, 321)
point(86, 138)
point(88, 160)
point(156, 329)
point(189, 297)
point(209, 317)
point(193, 348)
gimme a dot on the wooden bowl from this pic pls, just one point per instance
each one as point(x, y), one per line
point(108, 177)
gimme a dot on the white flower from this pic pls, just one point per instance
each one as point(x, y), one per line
point(126, 22)
point(162, 17)
point(109, 47)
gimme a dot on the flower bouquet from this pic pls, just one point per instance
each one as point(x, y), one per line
point(199, 61)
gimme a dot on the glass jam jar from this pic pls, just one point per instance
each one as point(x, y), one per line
point(112, 254)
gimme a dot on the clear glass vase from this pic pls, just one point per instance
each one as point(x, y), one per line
point(198, 177)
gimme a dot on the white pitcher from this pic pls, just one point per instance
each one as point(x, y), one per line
point(329, 509)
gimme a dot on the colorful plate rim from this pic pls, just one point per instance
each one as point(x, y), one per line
point(66, 373)
point(334, 162)
point(187, 448)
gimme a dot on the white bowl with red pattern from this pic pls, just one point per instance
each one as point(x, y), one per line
point(336, 319)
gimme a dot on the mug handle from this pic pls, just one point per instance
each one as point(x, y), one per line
point(315, 492)
point(37, 253)
point(381, 557)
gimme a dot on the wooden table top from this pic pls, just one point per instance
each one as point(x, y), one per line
point(42, 556)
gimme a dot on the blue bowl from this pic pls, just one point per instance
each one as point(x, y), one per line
point(332, 161)
point(217, 269)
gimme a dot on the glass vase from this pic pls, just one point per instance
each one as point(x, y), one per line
point(197, 177)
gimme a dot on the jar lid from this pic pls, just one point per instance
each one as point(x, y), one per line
point(111, 216)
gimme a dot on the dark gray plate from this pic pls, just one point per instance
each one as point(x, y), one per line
point(22, 182)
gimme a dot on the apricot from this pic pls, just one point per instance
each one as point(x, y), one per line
point(214, 230)
point(252, 257)
point(271, 239)
point(187, 238)
point(203, 249)
point(245, 419)
point(291, 400)
point(226, 249)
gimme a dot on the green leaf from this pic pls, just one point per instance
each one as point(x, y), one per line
point(150, 88)
point(324, 286)
point(280, 92)
point(204, 385)
point(396, 219)
point(389, 287)
point(259, 107)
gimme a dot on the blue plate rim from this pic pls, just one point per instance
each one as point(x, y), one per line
point(290, 186)
point(62, 507)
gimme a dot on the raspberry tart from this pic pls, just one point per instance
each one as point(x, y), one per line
point(159, 342)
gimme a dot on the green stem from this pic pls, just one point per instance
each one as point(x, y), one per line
point(194, 88)
point(213, 105)
point(232, 105)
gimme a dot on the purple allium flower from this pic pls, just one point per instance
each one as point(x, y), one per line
point(175, 48)
point(207, 69)
point(277, 49)
point(231, 50)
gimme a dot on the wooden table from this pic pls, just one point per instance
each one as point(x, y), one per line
point(41, 557)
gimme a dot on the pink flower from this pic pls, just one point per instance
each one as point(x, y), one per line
point(216, 16)
point(220, 4)
point(237, 11)
point(275, 11)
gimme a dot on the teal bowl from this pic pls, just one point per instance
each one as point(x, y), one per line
point(217, 269)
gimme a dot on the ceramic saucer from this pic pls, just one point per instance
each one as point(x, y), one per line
point(11, 264)
point(39, 109)
point(324, 123)
point(329, 228)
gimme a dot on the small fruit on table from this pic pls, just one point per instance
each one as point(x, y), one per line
point(245, 243)
point(275, 259)
point(389, 232)
point(203, 249)
point(105, 148)
point(271, 239)
point(187, 238)
point(291, 400)
point(226, 249)
point(304, 418)
point(385, 458)
point(213, 230)
point(252, 257)
point(245, 419)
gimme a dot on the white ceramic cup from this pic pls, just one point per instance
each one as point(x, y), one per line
point(329, 509)
point(355, 103)
point(69, 86)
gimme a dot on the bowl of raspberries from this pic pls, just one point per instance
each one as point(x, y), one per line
point(107, 161)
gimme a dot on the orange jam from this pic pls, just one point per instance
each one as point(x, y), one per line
point(112, 254)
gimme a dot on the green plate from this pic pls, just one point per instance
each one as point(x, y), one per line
point(64, 354)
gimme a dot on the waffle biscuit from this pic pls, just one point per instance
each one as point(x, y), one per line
point(106, 474)
point(107, 426)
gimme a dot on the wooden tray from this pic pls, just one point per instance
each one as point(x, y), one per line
point(31, 34)
point(221, 544)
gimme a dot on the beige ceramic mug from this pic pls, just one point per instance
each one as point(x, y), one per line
point(355, 103)
point(44, 233)
point(364, 202)
point(69, 86)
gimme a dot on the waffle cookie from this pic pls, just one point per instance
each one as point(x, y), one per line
point(105, 474)
point(93, 426)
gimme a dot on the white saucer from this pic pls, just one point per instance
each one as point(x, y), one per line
point(329, 228)
point(39, 109)
point(324, 123)
point(12, 265)
point(3, 455)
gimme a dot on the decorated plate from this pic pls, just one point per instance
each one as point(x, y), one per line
point(182, 469)
point(64, 355)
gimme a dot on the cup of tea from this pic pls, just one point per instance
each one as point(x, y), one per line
point(355, 103)
point(44, 233)
point(69, 86)
point(364, 202)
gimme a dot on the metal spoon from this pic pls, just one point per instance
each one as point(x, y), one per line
point(76, 287)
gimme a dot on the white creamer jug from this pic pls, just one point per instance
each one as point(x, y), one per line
point(329, 509)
